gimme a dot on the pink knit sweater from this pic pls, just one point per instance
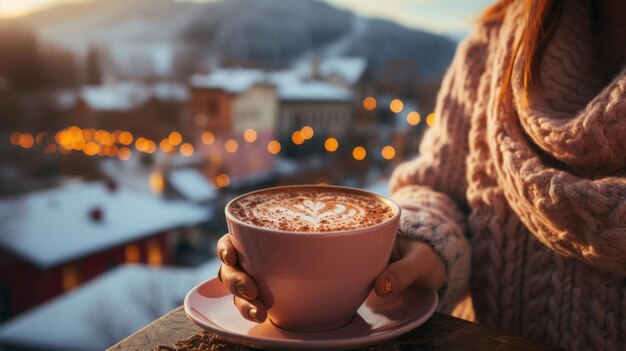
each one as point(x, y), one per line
point(527, 207)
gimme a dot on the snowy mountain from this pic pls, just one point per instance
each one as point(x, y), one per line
point(262, 33)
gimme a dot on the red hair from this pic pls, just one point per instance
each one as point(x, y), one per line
point(540, 20)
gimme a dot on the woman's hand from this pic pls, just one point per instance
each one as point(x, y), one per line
point(240, 284)
point(413, 263)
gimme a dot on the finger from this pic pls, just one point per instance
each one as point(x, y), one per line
point(251, 310)
point(238, 282)
point(226, 251)
point(413, 268)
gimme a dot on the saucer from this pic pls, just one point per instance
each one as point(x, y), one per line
point(210, 306)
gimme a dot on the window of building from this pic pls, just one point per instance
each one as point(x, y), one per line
point(70, 277)
point(213, 107)
point(155, 255)
point(131, 253)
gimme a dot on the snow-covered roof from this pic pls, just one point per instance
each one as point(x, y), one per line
point(290, 84)
point(232, 80)
point(349, 69)
point(52, 226)
point(293, 87)
point(123, 96)
point(192, 185)
point(106, 309)
point(170, 91)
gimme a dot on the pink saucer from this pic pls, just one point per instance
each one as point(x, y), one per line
point(210, 305)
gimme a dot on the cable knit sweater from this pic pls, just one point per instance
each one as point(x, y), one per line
point(527, 207)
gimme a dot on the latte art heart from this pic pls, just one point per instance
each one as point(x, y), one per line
point(311, 210)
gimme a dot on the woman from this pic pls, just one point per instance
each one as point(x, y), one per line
point(519, 192)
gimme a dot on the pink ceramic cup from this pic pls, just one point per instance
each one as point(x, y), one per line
point(313, 281)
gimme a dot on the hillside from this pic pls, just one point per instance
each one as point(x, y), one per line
point(266, 33)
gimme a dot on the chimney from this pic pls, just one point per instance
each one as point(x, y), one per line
point(111, 185)
point(96, 214)
point(315, 68)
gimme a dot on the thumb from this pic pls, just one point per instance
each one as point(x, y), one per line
point(411, 268)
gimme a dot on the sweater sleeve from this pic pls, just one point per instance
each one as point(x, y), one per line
point(431, 188)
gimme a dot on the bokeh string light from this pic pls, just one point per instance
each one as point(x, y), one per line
point(369, 103)
point(99, 142)
point(396, 105)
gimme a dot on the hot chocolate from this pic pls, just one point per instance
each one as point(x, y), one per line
point(313, 209)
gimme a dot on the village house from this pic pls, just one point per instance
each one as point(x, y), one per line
point(55, 240)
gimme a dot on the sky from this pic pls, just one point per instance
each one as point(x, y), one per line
point(452, 17)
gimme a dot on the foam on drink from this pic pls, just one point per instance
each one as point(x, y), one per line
point(314, 209)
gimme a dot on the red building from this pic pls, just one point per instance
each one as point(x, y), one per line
point(55, 240)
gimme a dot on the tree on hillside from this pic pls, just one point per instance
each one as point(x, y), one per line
point(94, 66)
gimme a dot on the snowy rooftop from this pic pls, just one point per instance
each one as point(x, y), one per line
point(291, 84)
point(192, 185)
point(123, 96)
point(52, 226)
point(105, 310)
point(232, 80)
point(349, 69)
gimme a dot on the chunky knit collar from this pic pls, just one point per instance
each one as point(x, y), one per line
point(575, 118)
point(561, 163)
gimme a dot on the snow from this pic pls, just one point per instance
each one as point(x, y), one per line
point(292, 87)
point(232, 80)
point(290, 84)
point(349, 69)
point(170, 91)
point(123, 96)
point(52, 226)
point(105, 310)
point(192, 185)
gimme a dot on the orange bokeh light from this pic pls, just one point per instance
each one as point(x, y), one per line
point(388, 152)
point(297, 137)
point(125, 138)
point(150, 146)
point(249, 135)
point(307, 132)
point(222, 180)
point(175, 138)
point(331, 144)
point(273, 147)
point(369, 103)
point(396, 105)
point(208, 138)
point(14, 138)
point(91, 148)
point(231, 145)
point(431, 119)
point(359, 153)
point(156, 181)
point(165, 145)
point(141, 144)
point(124, 153)
point(26, 140)
point(186, 149)
point(413, 118)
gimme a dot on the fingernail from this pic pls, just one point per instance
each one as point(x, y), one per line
point(223, 256)
point(219, 274)
point(252, 314)
point(388, 286)
point(241, 290)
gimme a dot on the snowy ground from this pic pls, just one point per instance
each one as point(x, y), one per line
point(105, 310)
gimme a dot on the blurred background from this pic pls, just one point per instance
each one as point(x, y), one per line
point(126, 126)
